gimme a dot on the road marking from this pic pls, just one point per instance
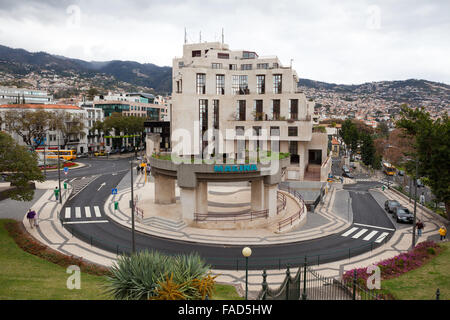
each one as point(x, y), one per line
point(67, 216)
point(381, 237)
point(349, 232)
point(77, 212)
point(103, 184)
point(370, 235)
point(72, 180)
point(366, 225)
point(97, 212)
point(85, 222)
point(359, 234)
point(87, 210)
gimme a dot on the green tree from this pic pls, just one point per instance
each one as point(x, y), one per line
point(349, 134)
point(70, 126)
point(431, 140)
point(20, 166)
point(367, 150)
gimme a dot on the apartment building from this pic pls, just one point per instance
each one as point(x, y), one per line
point(249, 99)
point(23, 95)
point(95, 138)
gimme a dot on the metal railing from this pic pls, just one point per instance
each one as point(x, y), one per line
point(281, 199)
point(297, 215)
point(231, 217)
point(308, 284)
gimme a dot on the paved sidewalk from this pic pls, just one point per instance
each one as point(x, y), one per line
point(52, 233)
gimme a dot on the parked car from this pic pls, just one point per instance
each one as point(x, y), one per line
point(348, 175)
point(420, 184)
point(82, 155)
point(114, 151)
point(100, 153)
point(123, 150)
point(402, 214)
point(390, 205)
point(401, 173)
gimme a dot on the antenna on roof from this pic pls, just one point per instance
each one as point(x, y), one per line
point(222, 36)
point(185, 36)
point(200, 37)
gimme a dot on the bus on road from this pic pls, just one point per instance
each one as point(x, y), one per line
point(388, 168)
point(67, 155)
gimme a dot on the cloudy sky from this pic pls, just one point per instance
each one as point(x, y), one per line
point(339, 41)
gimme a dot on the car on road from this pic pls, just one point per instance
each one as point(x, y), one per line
point(390, 205)
point(420, 184)
point(347, 174)
point(402, 214)
point(401, 173)
point(100, 153)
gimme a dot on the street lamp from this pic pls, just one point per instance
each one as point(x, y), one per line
point(132, 209)
point(246, 252)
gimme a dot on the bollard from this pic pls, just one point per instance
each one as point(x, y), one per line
point(437, 294)
point(264, 285)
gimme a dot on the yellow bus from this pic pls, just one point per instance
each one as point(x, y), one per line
point(388, 168)
point(53, 154)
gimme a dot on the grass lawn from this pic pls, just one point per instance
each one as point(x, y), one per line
point(24, 276)
point(421, 284)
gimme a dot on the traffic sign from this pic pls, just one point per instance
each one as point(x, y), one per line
point(114, 191)
point(66, 170)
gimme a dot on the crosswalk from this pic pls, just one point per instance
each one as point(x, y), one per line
point(79, 213)
point(360, 232)
point(78, 184)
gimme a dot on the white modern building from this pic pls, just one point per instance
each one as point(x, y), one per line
point(23, 95)
point(95, 138)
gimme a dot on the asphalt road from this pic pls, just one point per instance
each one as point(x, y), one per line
point(106, 234)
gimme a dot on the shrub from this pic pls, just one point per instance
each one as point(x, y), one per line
point(153, 275)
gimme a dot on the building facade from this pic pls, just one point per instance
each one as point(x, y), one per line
point(252, 101)
point(21, 95)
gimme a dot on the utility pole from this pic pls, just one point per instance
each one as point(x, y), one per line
point(59, 176)
point(132, 209)
point(415, 204)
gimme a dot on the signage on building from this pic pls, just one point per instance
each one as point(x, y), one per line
point(236, 168)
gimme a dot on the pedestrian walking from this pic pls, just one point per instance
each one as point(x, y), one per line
point(138, 169)
point(422, 199)
point(443, 232)
point(420, 225)
point(30, 217)
point(56, 191)
point(36, 219)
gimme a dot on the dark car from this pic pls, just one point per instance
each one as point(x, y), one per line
point(401, 173)
point(347, 174)
point(390, 205)
point(402, 214)
point(420, 184)
point(122, 150)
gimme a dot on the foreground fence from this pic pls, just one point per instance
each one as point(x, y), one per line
point(307, 284)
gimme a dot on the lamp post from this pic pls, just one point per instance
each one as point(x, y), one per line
point(132, 209)
point(59, 177)
point(246, 252)
point(415, 204)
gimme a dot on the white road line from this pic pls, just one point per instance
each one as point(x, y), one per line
point(360, 233)
point(97, 212)
point(87, 211)
point(77, 212)
point(381, 237)
point(72, 180)
point(349, 232)
point(370, 235)
point(67, 216)
point(85, 222)
point(376, 227)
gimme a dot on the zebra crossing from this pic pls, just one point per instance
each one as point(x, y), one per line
point(366, 233)
point(82, 215)
point(78, 184)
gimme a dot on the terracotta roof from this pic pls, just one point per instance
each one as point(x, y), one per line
point(39, 106)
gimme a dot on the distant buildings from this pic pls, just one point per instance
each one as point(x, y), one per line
point(9, 95)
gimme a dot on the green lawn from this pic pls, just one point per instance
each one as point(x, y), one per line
point(25, 276)
point(421, 284)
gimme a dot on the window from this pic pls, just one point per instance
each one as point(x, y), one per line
point(292, 131)
point(180, 64)
point(201, 86)
point(249, 55)
point(260, 84)
point(275, 65)
point(223, 55)
point(239, 131)
point(203, 118)
point(277, 83)
point(216, 114)
point(179, 86)
point(240, 85)
point(246, 67)
point(241, 110)
point(196, 53)
point(220, 84)
point(257, 131)
point(262, 66)
point(276, 109)
point(275, 131)
point(216, 65)
point(233, 66)
point(258, 110)
point(293, 109)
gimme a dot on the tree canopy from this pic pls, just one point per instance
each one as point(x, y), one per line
point(20, 167)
